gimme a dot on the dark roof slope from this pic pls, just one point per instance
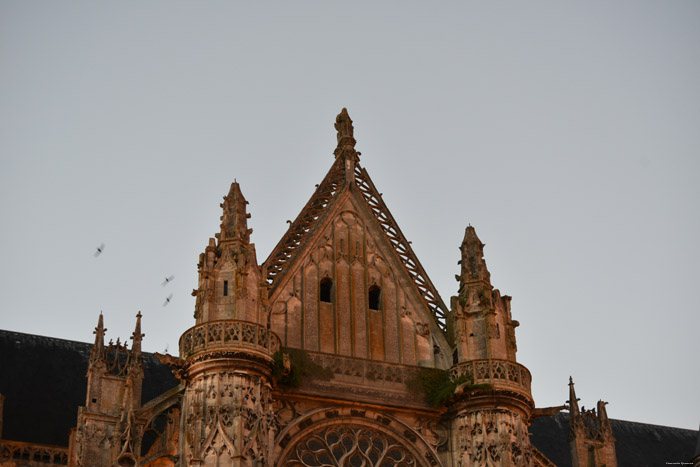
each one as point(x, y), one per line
point(44, 382)
point(550, 435)
point(636, 444)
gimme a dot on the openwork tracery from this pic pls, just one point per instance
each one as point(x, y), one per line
point(345, 446)
point(117, 358)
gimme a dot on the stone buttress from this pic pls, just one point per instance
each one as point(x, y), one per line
point(107, 433)
point(591, 439)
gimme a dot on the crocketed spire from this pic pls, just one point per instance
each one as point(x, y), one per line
point(137, 336)
point(473, 263)
point(98, 348)
point(234, 225)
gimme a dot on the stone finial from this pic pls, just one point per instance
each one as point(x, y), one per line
point(346, 139)
point(473, 263)
point(234, 225)
point(343, 125)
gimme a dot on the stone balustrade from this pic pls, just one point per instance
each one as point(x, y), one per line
point(498, 373)
point(365, 370)
point(32, 454)
point(228, 334)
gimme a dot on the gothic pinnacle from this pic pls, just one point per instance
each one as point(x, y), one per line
point(346, 140)
point(99, 332)
point(234, 224)
point(137, 335)
point(473, 263)
point(573, 401)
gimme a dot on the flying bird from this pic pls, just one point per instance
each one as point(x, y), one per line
point(167, 300)
point(100, 249)
point(167, 279)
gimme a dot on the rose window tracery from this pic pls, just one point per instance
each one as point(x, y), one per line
point(350, 446)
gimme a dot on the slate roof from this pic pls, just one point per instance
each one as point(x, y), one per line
point(44, 382)
point(636, 444)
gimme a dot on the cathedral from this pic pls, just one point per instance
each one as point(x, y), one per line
point(337, 350)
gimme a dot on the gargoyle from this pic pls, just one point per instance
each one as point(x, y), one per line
point(176, 363)
point(548, 411)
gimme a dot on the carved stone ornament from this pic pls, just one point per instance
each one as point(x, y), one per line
point(423, 329)
point(230, 415)
point(493, 437)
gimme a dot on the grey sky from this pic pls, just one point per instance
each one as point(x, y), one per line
point(567, 133)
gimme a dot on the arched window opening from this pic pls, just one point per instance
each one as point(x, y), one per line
point(375, 293)
point(326, 289)
point(225, 288)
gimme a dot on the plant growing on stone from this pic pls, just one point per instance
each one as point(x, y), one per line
point(439, 388)
point(292, 366)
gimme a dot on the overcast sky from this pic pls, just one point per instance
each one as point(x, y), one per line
point(567, 133)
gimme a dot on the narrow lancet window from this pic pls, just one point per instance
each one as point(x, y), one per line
point(225, 288)
point(326, 289)
point(375, 293)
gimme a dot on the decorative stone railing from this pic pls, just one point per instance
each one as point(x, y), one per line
point(228, 334)
point(366, 371)
point(32, 454)
point(497, 373)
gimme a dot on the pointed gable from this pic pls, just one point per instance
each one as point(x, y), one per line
point(344, 279)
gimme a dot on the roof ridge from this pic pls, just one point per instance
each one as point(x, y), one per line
point(618, 421)
point(668, 427)
point(38, 336)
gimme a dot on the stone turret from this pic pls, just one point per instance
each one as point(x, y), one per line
point(226, 358)
point(494, 406)
point(590, 436)
point(487, 329)
point(229, 277)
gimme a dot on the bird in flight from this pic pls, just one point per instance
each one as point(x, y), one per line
point(167, 300)
point(167, 279)
point(99, 251)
